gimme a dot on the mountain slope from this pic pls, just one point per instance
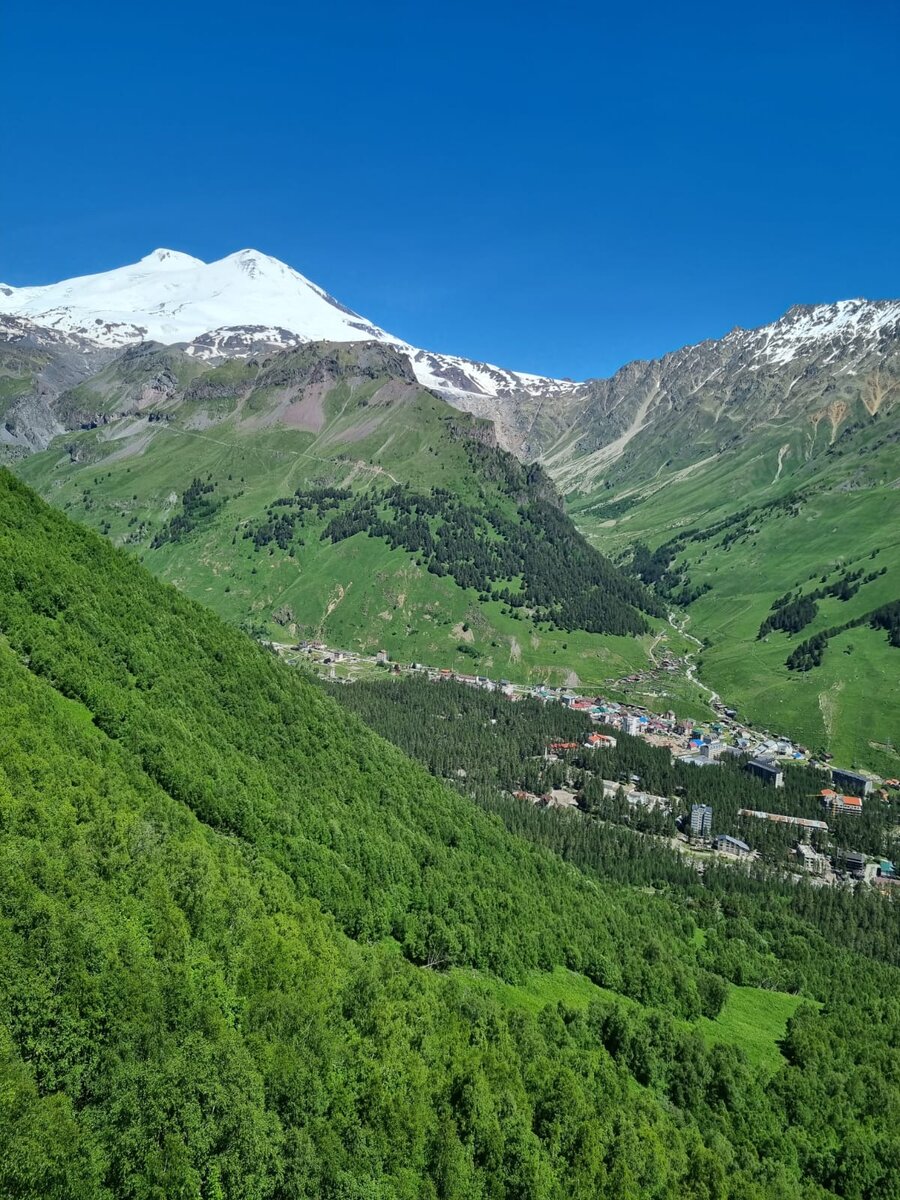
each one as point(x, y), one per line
point(335, 498)
point(216, 889)
point(808, 374)
point(806, 405)
point(36, 364)
point(756, 466)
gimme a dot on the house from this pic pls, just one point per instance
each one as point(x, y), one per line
point(701, 820)
point(769, 773)
point(381, 656)
point(647, 800)
point(851, 781)
point(731, 845)
point(697, 760)
point(600, 741)
point(712, 749)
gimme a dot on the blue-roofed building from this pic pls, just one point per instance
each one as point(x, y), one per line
point(731, 845)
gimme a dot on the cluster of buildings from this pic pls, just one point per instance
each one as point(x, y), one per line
point(701, 745)
point(700, 826)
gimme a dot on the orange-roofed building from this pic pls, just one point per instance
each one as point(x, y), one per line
point(842, 805)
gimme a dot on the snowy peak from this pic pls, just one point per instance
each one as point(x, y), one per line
point(848, 328)
point(170, 259)
point(172, 297)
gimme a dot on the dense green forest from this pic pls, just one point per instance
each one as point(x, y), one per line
point(250, 949)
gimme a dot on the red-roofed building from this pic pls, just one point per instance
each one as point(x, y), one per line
point(600, 741)
point(841, 805)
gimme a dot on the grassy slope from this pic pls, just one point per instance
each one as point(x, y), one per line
point(754, 1019)
point(358, 594)
point(851, 704)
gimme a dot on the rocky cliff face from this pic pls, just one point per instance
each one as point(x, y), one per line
point(812, 373)
point(36, 366)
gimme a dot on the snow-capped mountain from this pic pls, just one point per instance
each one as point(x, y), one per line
point(848, 329)
point(240, 305)
point(171, 297)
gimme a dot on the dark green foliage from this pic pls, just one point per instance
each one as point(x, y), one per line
point(888, 618)
point(220, 895)
point(791, 617)
point(793, 613)
point(810, 653)
point(564, 580)
point(197, 507)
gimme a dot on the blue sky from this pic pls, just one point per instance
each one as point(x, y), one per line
point(555, 187)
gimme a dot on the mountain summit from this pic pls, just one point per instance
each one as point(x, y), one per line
point(172, 297)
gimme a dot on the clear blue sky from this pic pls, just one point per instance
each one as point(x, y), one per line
point(558, 187)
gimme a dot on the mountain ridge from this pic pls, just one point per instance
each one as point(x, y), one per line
point(250, 303)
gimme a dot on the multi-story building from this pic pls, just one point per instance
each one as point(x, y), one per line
point(845, 806)
point(851, 781)
point(810, 859)
point(701, 820)
point(769, 773)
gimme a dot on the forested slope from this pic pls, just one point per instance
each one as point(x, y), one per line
point(217, 896)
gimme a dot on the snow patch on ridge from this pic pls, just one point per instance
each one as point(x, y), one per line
point(847, 326)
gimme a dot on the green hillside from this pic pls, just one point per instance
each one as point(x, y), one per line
point(251, 950)
point(350, 419)
point(790, 509)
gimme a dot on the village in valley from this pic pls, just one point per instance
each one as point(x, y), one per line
point(701, 744)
